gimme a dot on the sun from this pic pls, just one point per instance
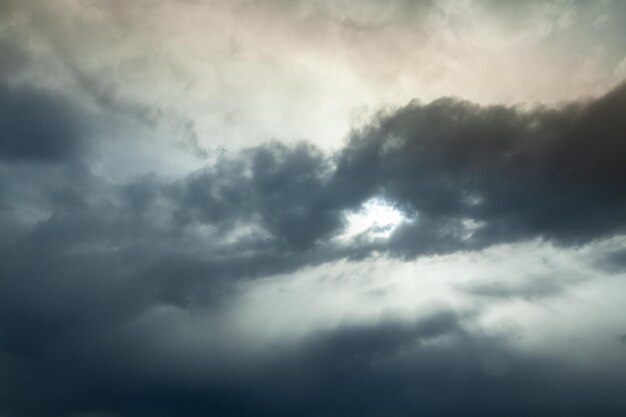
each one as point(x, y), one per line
point(375, 219)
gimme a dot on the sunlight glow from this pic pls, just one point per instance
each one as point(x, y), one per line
point(375, 219)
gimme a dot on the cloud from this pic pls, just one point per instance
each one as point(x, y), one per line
point(322, 63)
point(555, 174)
point(38, 125)
point(113, 292)
point(470, 176)
point(431, 364)
point(530, 290)
point(614, 261)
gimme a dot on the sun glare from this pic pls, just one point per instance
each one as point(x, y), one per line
point(375, 219)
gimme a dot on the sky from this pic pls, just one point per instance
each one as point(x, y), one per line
point(312, 208)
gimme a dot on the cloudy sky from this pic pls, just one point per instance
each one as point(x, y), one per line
point(312, 208)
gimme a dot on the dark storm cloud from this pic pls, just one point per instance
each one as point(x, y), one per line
point(431, 366)
point(105, 253)
point(37, 125)
point(285, 188)
point(88, 258)
point(557, 174)
point(469, 176)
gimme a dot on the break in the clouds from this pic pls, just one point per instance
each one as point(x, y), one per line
point(312, 208)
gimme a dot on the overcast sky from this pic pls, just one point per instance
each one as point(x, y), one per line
point(312, 208)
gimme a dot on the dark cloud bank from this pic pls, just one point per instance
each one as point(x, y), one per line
point(83, 258)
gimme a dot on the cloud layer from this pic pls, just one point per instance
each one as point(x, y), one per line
point(145, 270)
point(100, 258)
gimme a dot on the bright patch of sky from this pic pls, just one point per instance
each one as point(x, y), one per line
point(375, 219)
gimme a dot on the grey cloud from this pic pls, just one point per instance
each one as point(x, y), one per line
point(551, 173)
point(555, 174)
point(38, 125)
point(13, 58)
point(384, 338)
point(531, 289)
point(103, 255)
point(285, 190)
point(614, 261)
point(433, 366)
point(294, 199)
